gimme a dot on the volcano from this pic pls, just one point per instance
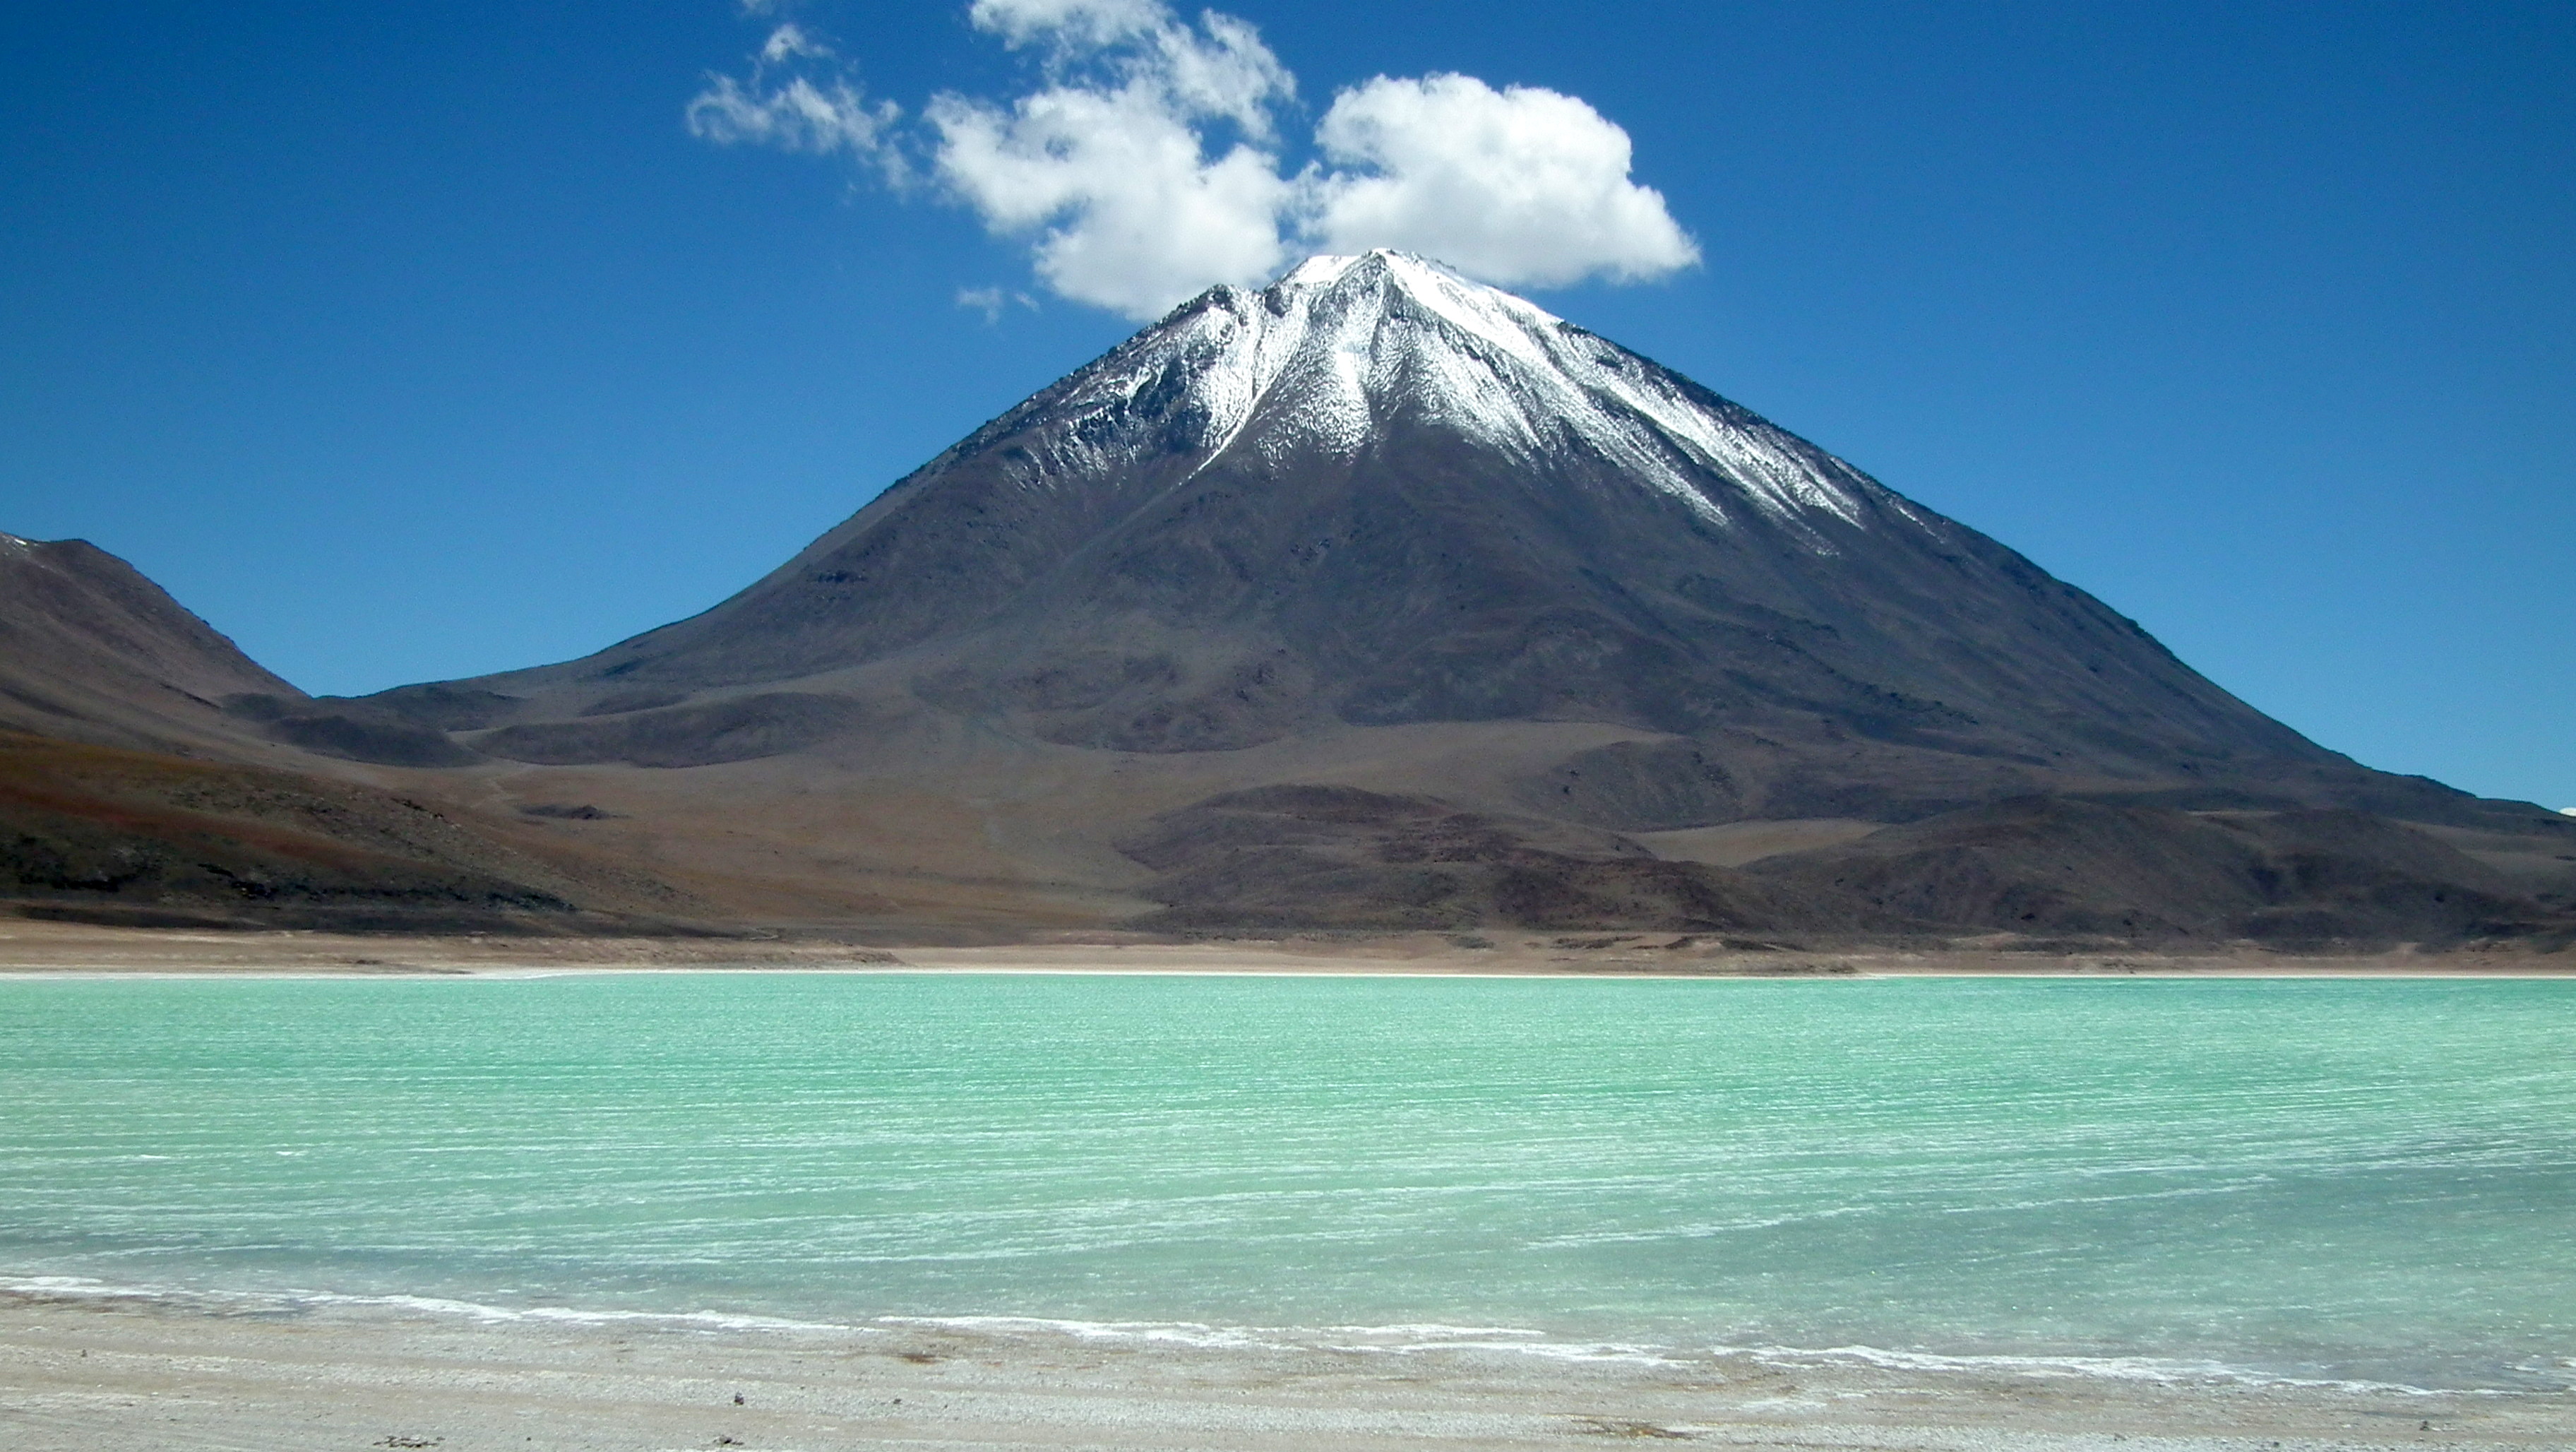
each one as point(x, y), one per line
point(1379, 597)
point(1378, 494)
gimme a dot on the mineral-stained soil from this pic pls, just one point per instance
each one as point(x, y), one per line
point(107, 835)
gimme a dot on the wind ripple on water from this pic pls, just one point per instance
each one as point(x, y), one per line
point(2295, 1174)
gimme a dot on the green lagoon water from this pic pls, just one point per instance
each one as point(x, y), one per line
point(2364, 1179)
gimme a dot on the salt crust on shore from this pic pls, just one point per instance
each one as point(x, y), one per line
point(28, 946)
point(93, 1370)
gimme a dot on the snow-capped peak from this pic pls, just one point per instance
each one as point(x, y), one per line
point(1324, 358)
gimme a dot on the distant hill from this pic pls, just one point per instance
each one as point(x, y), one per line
point(129, 794)
point(90, 650)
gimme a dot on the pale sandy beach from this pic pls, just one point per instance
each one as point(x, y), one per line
point(105, 1374)
point(28, 946)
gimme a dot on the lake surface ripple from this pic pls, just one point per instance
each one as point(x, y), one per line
point(2341, 1179)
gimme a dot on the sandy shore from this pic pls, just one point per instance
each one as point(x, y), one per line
point(97, 1372)
point(28, 946)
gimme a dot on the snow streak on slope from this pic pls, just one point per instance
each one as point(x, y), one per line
point(1321, 359)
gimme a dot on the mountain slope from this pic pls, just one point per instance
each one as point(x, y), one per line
point(1376, 494)
point(91, 650)
point(1379, 598)
point(136, 787)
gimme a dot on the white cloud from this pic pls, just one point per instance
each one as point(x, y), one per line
point(1143, 164)
point(1230, 73)
point(1517, 186)
point(1067, 24)
point(1218, 68)
point(1132, 216)
point(798, 116)
point(990, 301)
point(1111, 169)
point(797, 113)
point(789, 41)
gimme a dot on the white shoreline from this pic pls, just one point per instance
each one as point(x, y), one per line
point(33, 948)
point(107, 1374)
point(409, 974)
point(1397, 1339)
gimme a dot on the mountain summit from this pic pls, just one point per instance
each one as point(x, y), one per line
point(1376, 493)
point(1301, 589)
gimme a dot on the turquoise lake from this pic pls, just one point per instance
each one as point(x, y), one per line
point(2366, 1179)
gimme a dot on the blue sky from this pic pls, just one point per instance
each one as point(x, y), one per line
point(406, 342)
